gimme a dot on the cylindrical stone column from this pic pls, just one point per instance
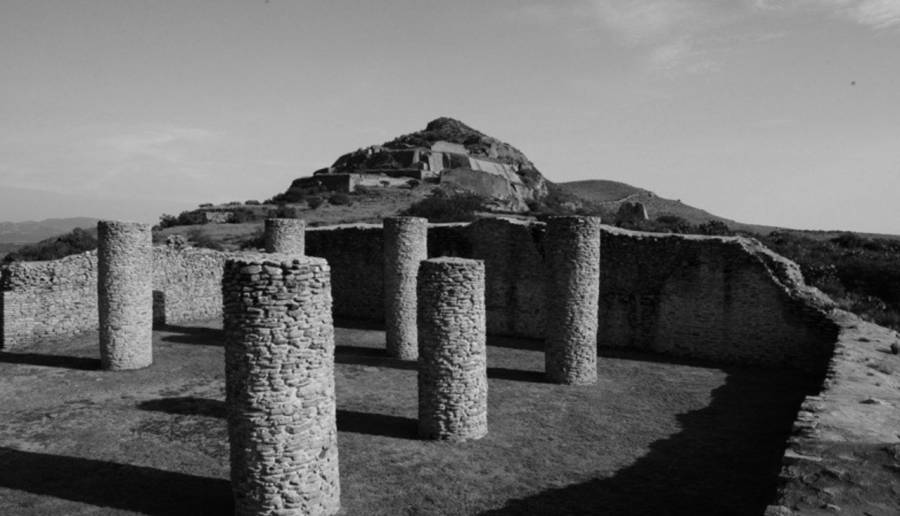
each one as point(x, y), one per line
point(125, 294)
point(573, 295)
point(452, 350)
point(286, 236)
point(405, 245)
point(279, 385)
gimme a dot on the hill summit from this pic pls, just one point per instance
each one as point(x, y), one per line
point(447, 153)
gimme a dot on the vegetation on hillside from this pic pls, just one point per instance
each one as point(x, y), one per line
point(444, 206)
point(861, 274)
point(76, 241)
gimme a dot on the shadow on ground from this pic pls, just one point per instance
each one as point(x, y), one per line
point(61, 361)
point(198, 335)
point(347, 420)
point(724, 461)
point(109, 484)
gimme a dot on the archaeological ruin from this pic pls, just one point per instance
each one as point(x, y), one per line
point(405, 245)
point(124, 294)
point(573, 292)
point(285, 236)
point(486, 289)
point(279, 365)
point(452, 379)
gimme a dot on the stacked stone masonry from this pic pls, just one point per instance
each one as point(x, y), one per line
point(405, 245)
point(452, 350)
point(725, 299)
point(573, 290)
point(125, 294)
point(286, 236)
point(279, 364)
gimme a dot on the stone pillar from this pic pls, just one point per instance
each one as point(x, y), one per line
point(286, 236)
point(125, 294)
point(573, 295)
point(279, 385)
point(405, 245)
point(452, 350)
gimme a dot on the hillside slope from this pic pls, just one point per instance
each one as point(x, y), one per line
point(36, 230)
point(611, 194)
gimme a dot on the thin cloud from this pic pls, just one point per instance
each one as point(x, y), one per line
point(875, 14)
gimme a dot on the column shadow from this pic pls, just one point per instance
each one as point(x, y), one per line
point(376, 424)
point(372, 357)
point(197, 335)
point(347, 420)
point(109, 484)
point(61, 361)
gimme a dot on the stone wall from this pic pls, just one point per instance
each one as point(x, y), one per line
point(48, 301)
point(187, 284)
point(727, 299)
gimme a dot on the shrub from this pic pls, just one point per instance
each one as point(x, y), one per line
point(714, 227)
point(314, 201)
point(201, 239)
point(413, 183)
point(447, 207)
point(76, 241)
point(241, 215)
point(283, 212)
point(340, 199)
point(252, 203)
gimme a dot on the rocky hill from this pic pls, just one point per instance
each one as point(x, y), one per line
point(448, 153)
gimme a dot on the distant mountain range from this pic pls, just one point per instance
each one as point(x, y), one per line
point(32, 231)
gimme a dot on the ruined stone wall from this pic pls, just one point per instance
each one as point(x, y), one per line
point(356, 256)
point(279, 371)
point(48, 301)
point(726, 299)
point(723, 299)
point(729, 300)
point(187, 284)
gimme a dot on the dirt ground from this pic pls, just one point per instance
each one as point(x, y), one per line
point(653, 437)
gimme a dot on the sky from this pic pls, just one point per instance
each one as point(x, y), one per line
point(777, 112)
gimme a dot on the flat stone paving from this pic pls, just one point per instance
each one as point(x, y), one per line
point(652, 437)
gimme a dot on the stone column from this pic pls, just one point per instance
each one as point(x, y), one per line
point(279, 385)
point(125, 294)
point(452, 350)
point(573, 295)
point(286, 236)
point(405, 245)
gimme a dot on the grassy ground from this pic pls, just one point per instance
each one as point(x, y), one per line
point(653, 437)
